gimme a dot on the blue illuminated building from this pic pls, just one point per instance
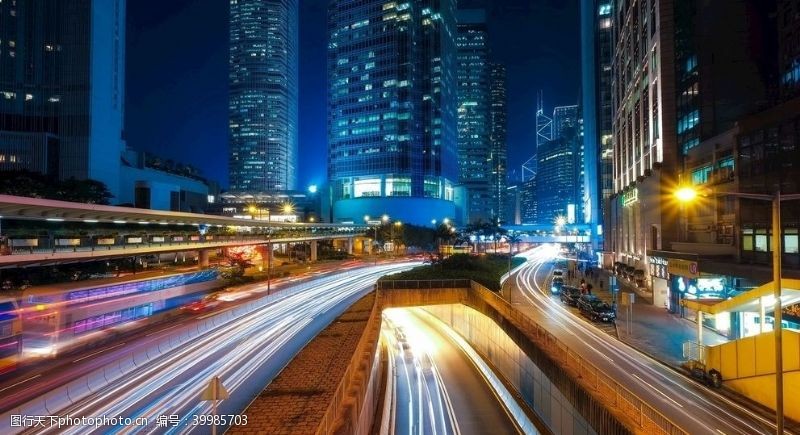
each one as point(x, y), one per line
point(263, 108)
point(392, 109)
point(62, 88)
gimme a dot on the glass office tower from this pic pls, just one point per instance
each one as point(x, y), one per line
point(263, 108)
point(392, 109)
point(62, 88)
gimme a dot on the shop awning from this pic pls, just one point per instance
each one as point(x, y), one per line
point(749, 301)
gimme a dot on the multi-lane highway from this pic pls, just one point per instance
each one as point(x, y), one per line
point(245, 352)
point(693, 407)
point(437, 386)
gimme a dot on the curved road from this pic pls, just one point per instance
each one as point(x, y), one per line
point(695, 408)
point(246, 353)
point(438, 389)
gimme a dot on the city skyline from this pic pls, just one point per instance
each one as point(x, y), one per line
point(201, 59)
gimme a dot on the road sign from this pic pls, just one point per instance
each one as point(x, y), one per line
point(215, 390)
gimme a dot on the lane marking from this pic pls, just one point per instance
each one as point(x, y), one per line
point(162, 330)
point(21, 382)
point(98, 352)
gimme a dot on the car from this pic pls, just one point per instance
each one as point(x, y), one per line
point(595, 309)
point(558, 273)
point(556, 284)
point(570, 295)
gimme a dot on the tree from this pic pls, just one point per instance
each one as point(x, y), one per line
point(35, 185)
point(513, 239)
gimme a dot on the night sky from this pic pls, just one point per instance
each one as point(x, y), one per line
point(177, 77)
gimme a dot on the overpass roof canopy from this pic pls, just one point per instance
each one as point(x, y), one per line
point(19, 207)
point(749, 301)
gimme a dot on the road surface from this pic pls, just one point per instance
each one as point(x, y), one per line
point(694, 407)
point(437, 387)
point(245, 353)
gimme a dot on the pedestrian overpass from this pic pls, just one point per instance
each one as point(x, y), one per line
point(535, 233)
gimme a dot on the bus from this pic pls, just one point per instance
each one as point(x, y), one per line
point(61, 316)
point(10, 334)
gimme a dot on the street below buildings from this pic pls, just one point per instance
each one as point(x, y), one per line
point(690, 405)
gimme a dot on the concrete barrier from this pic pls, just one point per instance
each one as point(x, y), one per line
point(96, 380)
point(140, 359)
point(78, 389)
point(112, 372)
point(126, 364)
point(57, 401)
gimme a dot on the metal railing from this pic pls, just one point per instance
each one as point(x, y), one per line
point(47, 245)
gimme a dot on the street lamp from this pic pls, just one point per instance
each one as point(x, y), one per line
point(396, 224)
point(687, 194)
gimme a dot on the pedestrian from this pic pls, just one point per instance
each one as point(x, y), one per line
point(601, 284)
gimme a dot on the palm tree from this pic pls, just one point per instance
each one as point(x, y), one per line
point(513, 239)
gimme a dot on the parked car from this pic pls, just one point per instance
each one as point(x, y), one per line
point(570, 295)
point(556, 284)
point(595, 309)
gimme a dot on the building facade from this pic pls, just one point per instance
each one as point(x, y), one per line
point(62, 88)
point(596, 106)
point(557, 185)
point(263, 102)
point(392, 107)
point(475, 151)
point(678, 91)
point(498, 121)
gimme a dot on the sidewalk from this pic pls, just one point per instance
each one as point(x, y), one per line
point(653, 330)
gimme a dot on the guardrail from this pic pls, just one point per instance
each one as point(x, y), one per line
point(422, 284)
point(48, 245)
point(646, 418)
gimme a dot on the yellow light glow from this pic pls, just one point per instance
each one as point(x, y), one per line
point(686, 194)
point(40, 307)
point(561, 221)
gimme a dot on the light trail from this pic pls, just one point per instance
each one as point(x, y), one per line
point(236, 351)
point(696, 409)
point(452, 390)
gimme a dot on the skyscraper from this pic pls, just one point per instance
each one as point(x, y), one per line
point(557, 186)
point(596, 57)
point(564, 117)
point(475, 157)
point(544, 124)
point(392, 109)
point(263, 108)
point(497, 115)
point(62, 88)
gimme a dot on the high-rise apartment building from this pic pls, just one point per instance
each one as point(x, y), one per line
point(498, 136)
point(392, 107)
point(263, 105)
point(62, 88)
